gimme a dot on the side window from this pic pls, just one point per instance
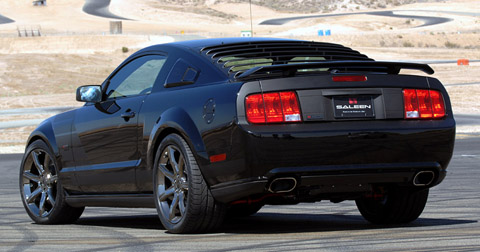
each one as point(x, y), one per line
point(136, 78)
point(181, 73)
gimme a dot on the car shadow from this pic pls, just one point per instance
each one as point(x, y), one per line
point(135, 221)
point(272, 223)
point(287, 223)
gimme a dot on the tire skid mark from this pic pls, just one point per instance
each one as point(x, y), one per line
point(450, 224)
point(29, 238)
point(358, 241)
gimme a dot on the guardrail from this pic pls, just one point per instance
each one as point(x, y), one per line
point(29, 31)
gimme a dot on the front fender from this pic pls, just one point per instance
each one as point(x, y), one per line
point(44, 131)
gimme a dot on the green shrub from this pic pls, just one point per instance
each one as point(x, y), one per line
point(449, 44)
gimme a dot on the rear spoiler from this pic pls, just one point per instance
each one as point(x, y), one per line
point(351, 65)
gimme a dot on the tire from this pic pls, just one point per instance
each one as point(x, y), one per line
point(42, 193)
point(398, 206)
point(243, 210)
point(184, 202)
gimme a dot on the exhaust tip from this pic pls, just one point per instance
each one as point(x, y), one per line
point(282, 185)
point(423, 178)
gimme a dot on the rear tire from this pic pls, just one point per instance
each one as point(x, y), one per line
point(398, 206)
point(42, 193)
point(184, 202)
point(243, 210)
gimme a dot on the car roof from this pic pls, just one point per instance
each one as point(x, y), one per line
point(201, 43)
point(229, 54)
point(257, 57)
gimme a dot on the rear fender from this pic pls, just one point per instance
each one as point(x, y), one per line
point(176, 120)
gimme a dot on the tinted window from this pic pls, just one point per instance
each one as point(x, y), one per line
point(241, 63)
point(182, 72)
point(137, 77)
point(244, 63)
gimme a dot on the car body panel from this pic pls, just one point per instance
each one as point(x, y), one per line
point(106, 158)
point(104, 161)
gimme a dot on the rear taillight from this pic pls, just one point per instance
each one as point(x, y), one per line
point(273, 107)
point(422, 103)
point(255, 108)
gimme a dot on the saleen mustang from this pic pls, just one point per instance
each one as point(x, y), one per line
point(212, 128)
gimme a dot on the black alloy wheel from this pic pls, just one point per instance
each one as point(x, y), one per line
point(184, 202)
point(172, 187)
point(42, 194)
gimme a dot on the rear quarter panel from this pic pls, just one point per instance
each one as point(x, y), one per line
point(182, 110)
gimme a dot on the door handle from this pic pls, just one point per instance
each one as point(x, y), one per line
point(128, 114)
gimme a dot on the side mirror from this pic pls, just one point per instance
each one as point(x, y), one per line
point(90, 93)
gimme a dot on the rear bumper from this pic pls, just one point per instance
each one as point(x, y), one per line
point(331, 179)
point(331, 157)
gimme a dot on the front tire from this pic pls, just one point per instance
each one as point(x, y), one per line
point(397, 206)
point(184, 202)
point(42, 193)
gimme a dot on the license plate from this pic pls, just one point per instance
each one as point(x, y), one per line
point(353, 107)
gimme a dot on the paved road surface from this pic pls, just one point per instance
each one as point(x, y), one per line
point(29, 111)
point(100, 8)
point(427, 20)
point(450, 222)
point(5, 20)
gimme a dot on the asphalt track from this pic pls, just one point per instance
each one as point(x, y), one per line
point(100, 8)
point(29, 111)
point(450, 222)
point(461, 13)
point(428, 20)
point(5, 20)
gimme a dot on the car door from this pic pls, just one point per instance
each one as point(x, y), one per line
point(105, 135)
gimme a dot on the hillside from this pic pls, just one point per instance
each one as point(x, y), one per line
point(299, 6)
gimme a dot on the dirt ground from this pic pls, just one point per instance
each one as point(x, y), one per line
point(75, 48)
point(50, 79)
point(57, 76)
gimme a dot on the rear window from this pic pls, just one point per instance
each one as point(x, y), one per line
point(237, 58)
point(241, 64)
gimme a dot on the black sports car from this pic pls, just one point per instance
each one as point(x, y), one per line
point(212, 128)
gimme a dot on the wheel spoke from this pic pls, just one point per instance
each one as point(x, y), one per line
point(50, 198)
point(173, 207)
point(181, 164)
point(181, 203)
point(170, 153)
point(31, 176)
point(173, 162)
point(167, 193)
point(46, 163)
point(166, 172)
point(41, 206)
point(30, 198)
point(37, 163)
